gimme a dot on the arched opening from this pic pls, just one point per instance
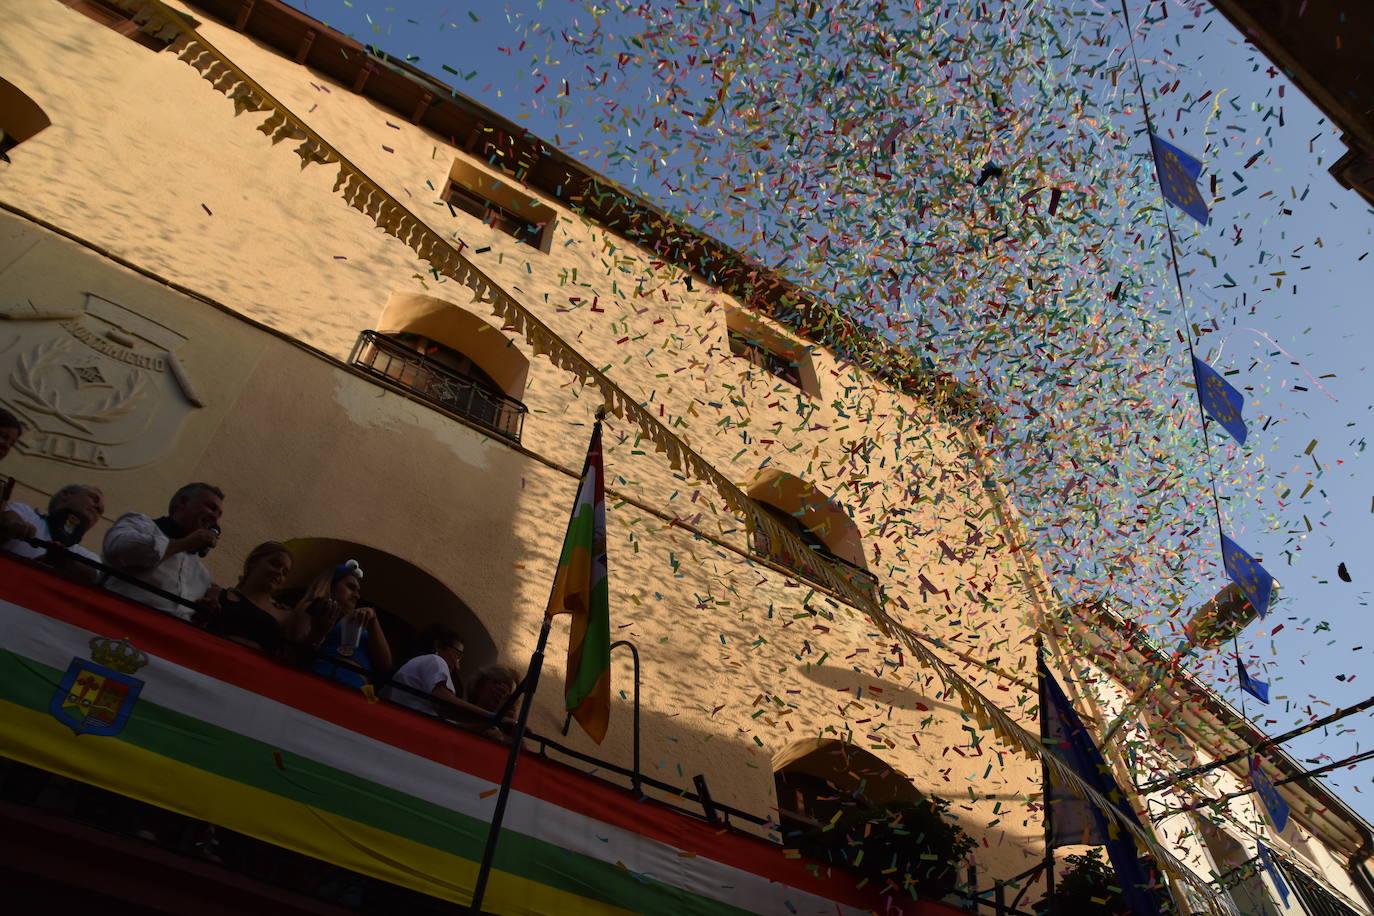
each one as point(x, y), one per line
point(449, 358)
point(20, 118)
point(407, 598)
point(817, 779)
point(1235, 871)
point(840, 804)
point(819, 521)
point(459, 332)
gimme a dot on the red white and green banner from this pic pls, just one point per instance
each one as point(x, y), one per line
point(581, 588)
point(223, 734)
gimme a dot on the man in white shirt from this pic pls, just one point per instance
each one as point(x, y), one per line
point(165, 552)
point(72, 511)
point(433, 674)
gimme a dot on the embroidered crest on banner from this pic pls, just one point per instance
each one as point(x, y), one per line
point(97, 695)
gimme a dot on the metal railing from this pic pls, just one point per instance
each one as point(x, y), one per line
point(382, 357)
point(812, 564)
point(1316, 898)
point(462, 716)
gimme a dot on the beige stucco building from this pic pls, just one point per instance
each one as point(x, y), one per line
point(184, 300)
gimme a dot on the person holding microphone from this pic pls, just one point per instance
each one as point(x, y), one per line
point(166, 552)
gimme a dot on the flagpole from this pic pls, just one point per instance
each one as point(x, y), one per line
point(527, 688)
point(1045, 788)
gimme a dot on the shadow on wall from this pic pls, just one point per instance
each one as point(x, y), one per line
point(876, 689)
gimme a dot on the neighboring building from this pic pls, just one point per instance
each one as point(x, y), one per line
point(792, 505)
point(1324, 48)
point(1186, 754)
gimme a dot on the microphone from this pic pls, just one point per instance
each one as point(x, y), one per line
point(66, 527)
point(204, 551)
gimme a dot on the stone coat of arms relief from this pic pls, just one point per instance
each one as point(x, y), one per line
point(99, 388)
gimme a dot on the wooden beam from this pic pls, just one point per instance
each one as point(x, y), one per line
point(421, 107)
point(303, 48)
point(360, 80)
point(245, 10)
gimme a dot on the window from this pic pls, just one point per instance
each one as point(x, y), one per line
point(830, 535)
point(108, 14)
point(440, 376)
point(492, 214)
point(20, 118)
point(499, 205)
point(793, 524)
point(783, 366)
point(770, 350)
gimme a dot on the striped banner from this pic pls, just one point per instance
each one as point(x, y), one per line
point(223, 734)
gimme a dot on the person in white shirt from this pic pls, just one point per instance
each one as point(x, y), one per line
point(434, 674)
point(165, 552)
point(72, 511)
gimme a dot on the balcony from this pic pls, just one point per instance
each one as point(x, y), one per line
point(810, 566)
point(303, 766)
point(391, 361)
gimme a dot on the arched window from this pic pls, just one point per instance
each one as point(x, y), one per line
point(815, 780)
point(407, 598)
point(20, 118)
point(1234, 869)
point(821, 523)
point(840, 804)
point(449, 358)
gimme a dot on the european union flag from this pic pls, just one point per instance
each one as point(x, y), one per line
point(1248, 574)
point(1272, 868)
point(1273, 802)
point(1178, 173)
point(1252, 685)
point(1074, 821)
point(1222, 402)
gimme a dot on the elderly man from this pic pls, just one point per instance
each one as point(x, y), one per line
point(72, 512)
point(165, 552)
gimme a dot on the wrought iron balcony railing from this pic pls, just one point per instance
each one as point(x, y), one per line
point(388, 359)
point(811, 564)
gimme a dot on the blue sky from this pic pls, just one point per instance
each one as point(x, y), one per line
point(1281, 270)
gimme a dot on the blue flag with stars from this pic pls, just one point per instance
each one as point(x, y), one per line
point(1246, 572)
point(1273, 802)
point(1252, 685)
point(1074, 821)
point(1177, 172)
point(1273, 869)
point(1222, 402)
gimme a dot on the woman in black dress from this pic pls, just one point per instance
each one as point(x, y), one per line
point(248, 613)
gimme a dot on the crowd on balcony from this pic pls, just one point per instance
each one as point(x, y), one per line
point(159, 562)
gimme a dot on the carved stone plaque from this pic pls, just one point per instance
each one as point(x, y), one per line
point(98, 388)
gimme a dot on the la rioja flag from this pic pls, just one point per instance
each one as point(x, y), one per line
point(580, 588)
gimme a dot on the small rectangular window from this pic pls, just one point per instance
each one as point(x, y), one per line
point(502, 206)
point(494, 215)
point(778, 364)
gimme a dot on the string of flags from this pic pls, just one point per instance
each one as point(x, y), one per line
point(1178, 173)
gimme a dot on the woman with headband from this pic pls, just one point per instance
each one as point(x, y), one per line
point(347, 640)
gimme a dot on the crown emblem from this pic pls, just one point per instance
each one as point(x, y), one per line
point(117, 654)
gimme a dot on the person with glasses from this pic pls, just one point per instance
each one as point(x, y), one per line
point(434, 674)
